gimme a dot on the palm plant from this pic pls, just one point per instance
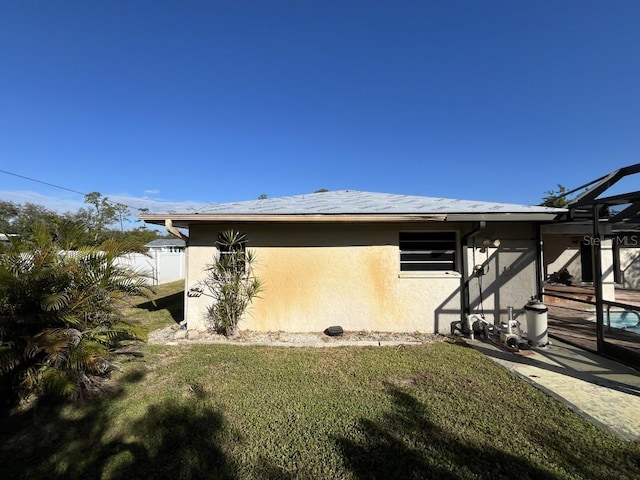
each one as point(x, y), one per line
point(60, 316)
point(231, 283)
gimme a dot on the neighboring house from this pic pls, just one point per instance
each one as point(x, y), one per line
point(5, 238)
point(370, 261)
point(173, 245)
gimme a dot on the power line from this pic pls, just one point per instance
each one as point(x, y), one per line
point(44, 183)
point(67, 189)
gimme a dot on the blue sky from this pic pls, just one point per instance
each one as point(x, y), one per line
point(171, 104)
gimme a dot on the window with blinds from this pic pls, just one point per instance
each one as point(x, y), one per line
point(427, 251)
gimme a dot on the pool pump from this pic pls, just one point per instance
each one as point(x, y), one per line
point(508, 334)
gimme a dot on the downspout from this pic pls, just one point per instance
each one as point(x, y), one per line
point(466, 308)
point(539, 262)
point(168, 224)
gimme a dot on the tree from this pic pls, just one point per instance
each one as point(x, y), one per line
point(230, 282)
point(9, 211)
point(70, 233)
point(19, 219)
point(106, 212)
point(84, 227)
point(61, 315)
point(556, 198)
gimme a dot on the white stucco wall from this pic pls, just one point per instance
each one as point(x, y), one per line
point(630, 267)
point(510, 278)
point(319, 275)
point(563, 251)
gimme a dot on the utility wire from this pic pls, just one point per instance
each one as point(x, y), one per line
point(44, 183)
point(67, 189)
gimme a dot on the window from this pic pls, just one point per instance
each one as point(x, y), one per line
point(233, 248)
point(427, 251)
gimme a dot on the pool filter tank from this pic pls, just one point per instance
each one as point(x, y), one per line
point(537, 323)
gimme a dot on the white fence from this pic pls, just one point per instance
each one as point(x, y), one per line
point(160, 267)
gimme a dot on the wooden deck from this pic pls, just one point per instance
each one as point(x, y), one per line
point(585, 292)
point(572, 321)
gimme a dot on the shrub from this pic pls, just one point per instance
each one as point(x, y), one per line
point(230, 282)
point(60, 317)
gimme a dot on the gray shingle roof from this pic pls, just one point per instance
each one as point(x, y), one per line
point(166, 242)
point(356, 202)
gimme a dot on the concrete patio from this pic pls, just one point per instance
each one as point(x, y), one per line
point(605, 392)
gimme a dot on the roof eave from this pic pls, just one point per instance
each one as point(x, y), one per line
point(184, 220)
point(504, 217)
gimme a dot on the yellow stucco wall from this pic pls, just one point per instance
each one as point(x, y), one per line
point(316, 276)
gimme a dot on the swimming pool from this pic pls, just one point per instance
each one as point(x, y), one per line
point(627, 320)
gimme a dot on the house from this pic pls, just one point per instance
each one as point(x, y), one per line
point(5, 238)
point(370, 261)
point(172, 245)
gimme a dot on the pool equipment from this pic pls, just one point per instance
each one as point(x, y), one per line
point(537, 323)
point(508, 334)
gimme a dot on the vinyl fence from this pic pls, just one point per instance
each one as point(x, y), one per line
point(159, 267)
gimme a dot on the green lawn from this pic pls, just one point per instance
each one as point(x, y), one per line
point(225, 411)
point(165, 307)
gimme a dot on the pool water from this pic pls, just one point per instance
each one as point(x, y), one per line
point(628, 321)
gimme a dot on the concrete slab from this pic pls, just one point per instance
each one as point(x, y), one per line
point(605, 392)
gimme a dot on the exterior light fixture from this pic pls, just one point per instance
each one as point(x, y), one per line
point(488, 243)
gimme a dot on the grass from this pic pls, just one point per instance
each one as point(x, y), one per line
point(164, 307)
point(225, 411)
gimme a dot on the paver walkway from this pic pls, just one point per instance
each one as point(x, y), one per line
point(605, 392)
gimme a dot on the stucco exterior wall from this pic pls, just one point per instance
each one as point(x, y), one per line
point(563, 251)
point(318, 275)
point(510, 271)
point(630, 267)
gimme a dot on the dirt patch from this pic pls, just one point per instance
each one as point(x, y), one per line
point(173, 336)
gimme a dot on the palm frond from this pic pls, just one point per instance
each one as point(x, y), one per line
point(89, 357)
point(59, 382)
point(71, 318)
point(60, 311)
point(116, 248)
point(53, 345)
point(10, 358)
point(40, 235)
point(30, 379)
point(110, 336)
point(55, 301)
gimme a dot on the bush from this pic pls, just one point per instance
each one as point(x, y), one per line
point(60, 316)
point(231, 283)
